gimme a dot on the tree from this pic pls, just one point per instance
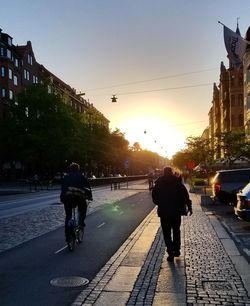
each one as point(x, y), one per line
point(42, 130)
point(233, 145)
point(181, 159)
point(200, 150)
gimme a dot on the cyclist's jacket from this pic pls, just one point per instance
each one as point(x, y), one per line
point(77, 180)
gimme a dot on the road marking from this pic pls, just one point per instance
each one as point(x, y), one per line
point(61, 249)
point(121, 213)
point(101, 225)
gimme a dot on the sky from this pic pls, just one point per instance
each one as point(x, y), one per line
point(159, 57)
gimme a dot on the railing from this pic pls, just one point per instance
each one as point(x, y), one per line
point(115, 182)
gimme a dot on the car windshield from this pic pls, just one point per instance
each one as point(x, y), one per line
point(246, 190)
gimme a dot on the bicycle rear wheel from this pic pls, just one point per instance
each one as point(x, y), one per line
point(71, 239)
point(79, 234)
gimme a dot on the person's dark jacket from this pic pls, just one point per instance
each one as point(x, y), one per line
point(77, 180)
point(171, 196)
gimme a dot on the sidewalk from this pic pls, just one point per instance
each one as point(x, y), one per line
point(210, 270)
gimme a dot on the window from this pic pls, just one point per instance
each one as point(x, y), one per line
point(30, 59)
point(11, 95)
point(2, 71)
point(240, 99)
point(233, 121)
point(2, 51)
point(9, 41)
point(241, 120)
point(15, 80)
point(8, 53)
point(26, 74)
point(10, 74)
point(35, 79)
point(3, 92)
point(232, 100)
point(26, 111)
point(16, 62)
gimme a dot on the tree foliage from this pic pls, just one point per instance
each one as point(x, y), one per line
point(45, 135)
point(233, 145)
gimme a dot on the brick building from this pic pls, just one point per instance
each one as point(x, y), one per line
point(227, 111)
point(20, 69)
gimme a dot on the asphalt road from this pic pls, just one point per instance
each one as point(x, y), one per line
point(26, 270)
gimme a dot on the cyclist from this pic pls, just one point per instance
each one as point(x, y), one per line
point(75, 183)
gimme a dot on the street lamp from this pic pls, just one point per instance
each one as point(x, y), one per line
point(114, 99)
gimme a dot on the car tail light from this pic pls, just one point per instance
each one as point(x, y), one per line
point(217, 187)
point(247, 202)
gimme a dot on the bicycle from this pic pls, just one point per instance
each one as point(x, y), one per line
point(75, 231)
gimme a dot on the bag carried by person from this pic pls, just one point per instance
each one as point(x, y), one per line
point(185, 208)
point(76, 193)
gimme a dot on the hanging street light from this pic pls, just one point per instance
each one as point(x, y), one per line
point(114, 99)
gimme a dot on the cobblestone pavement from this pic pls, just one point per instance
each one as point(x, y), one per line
point(23, 227)
point(211, 274)
point(205, 274)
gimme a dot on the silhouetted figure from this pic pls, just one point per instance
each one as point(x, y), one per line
point(74, 192)
point(172, 199)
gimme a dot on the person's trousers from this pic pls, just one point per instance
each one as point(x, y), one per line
point(171, 233)
point(82, 210)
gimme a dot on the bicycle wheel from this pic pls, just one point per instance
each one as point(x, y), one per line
point(71, 244)
point(71, 237)
point(79, 234)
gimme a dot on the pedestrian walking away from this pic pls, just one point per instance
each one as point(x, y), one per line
point(75, 191)
point(150, 180)
point(172, 200)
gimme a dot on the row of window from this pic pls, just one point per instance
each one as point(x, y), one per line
point(7, 53)
point(7, 94)
point(14, 77)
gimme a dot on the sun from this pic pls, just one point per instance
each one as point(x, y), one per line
point(154, 134)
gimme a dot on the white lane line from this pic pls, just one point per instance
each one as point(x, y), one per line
point(100, 225)
point(61, 249)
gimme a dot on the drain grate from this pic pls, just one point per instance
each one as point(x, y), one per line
point(69, 281)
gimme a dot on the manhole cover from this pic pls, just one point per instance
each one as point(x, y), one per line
point(69, 281)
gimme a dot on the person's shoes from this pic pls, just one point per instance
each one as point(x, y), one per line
point(177, 253)
point(170, 258)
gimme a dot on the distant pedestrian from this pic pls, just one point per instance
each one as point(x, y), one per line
point(36, 181)
point(172, 199)
point(150, 180)
point(75, 191)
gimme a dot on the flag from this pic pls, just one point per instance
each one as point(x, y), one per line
point(235, 46)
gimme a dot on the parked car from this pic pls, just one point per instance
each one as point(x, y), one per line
point(227, 183)
point(242, 209)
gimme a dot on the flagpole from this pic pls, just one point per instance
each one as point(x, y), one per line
point(221, 23)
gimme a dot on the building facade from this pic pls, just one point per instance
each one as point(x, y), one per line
point(20, 69)
point(227, 111)
point(246, 65)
